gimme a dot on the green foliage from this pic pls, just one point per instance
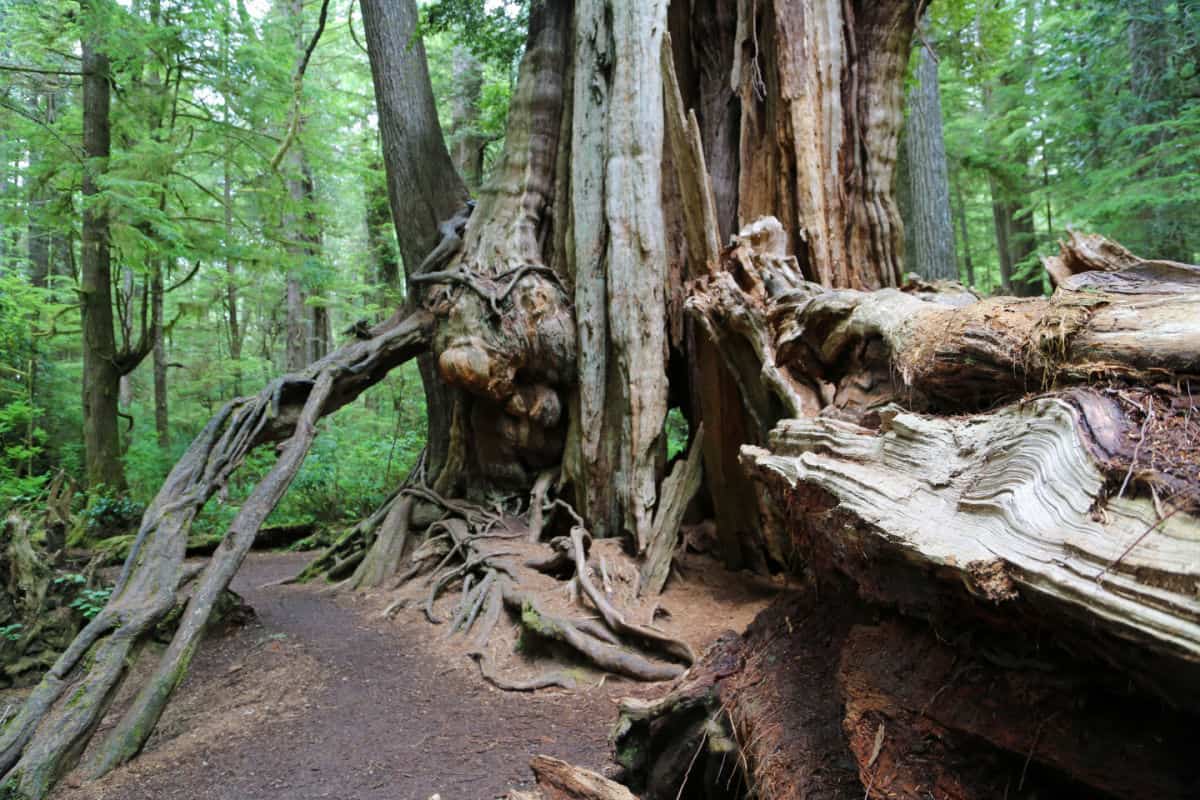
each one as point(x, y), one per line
point(108, 514)
point(22, 438)
point(11, 632)
point(677, 431)
point(88, 601)
point(1086, 114)
point(493, 30)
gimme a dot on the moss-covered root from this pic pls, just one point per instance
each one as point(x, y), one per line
point(131, 733)
point(606, 656)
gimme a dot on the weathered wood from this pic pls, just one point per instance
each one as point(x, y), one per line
point(1009, 508)
point(732, 307)
point(618, 265)
point(714, 392)
point(675, 494)
point(969, 722)
point(558, 780)
point(760, 710)
point(1092, 261)
point(796, 348)
point(821, 90)
point(973, 356)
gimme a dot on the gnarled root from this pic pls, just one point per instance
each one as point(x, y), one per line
point(494, 561)
point(58, 718)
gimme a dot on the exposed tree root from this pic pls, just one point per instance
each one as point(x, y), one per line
point(491, 559)
point(560, 679)
point(56, 721)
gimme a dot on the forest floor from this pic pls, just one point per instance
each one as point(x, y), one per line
point(320, 697)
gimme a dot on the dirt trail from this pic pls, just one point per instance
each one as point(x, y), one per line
point(320, 698)
point(316, 700)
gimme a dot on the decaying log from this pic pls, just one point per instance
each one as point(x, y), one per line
point(917, 709)
point(675, 494)
point(558, 780)
point(1010, 508)
point(824, 697)
point(797, 348)
point(1089, 261)
point(975, 355)
point(759, 711)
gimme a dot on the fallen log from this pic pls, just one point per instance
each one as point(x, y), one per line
point(825, 697)
point(797, 348)
point(917, 709)
point(1091, 261)
point(1007, 510)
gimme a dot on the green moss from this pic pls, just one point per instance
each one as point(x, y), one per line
point(9, 790)
point(78, 697)
point(535, 622)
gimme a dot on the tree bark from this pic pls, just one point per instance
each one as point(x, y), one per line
point(101, 375)
point(299, 228)
point(821, 97)
point(960, 209)
point(422, 185)
point(468, 145)
point(931, 231)
point(162, 426)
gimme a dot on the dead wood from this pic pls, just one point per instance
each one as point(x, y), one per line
point(1090, 261)
point(1042, 719)
point(1009, 508)
point(798, 348)
point(675, 495)
point(559, 780)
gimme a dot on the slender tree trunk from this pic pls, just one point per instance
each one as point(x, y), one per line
point(468, 145)
point(932, 231)
point(423, 186)
point(101, 376)
point(1149, 35)
point(157, 325)
point(300, 229)
point(38, 234)
point(960, 208)
point(231, 279)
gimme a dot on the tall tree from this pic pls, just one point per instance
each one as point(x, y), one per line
point(101, 373)
point(467, 146)
point(930, 229)
point(423, 187)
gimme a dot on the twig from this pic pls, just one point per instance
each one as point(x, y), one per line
point(1137, 448)
point(298, 88)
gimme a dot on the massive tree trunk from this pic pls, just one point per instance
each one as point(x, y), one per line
point(589, 289)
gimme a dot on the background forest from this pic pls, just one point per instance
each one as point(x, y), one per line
point(247, 206)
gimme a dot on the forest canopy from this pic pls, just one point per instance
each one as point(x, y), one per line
point(1083, 115)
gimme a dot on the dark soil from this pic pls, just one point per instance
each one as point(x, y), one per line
point(377, 717)
point(321, 698)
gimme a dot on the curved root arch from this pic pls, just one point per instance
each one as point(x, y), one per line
point(57, 720)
